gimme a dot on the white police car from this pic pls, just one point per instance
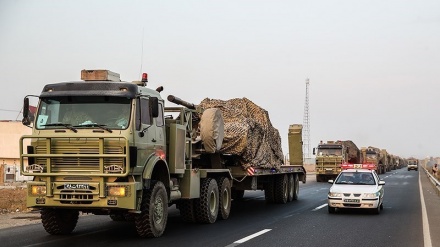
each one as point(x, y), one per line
point(357, 186)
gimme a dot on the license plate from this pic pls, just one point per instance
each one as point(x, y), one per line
point(351, 200)
point(76, 186)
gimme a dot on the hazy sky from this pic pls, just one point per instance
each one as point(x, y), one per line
point(374, 66)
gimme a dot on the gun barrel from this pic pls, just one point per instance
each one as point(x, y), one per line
point(179, 101)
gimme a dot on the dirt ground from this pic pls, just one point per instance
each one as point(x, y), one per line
point(13, 211)
point(12, 199)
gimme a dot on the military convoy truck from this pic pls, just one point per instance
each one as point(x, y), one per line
point(375, 156)
point(413, 164)
point(104, 146)
point(330, 156)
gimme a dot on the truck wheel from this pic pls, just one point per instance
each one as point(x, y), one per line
point(291, 187)
point(224, 187)
point(269, 191)
point(237, 195)
point(186, 207)
point(296, 187)
point(152, 220)
point(207, 204)
point(281, 189)
point(59, 221)
point(318, 178)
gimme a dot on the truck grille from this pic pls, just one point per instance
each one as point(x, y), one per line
point(79, 164)
point(80, 155)
point(75, 196)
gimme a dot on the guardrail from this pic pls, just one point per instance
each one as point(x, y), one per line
point(433, 180)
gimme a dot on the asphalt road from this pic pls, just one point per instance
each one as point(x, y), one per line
point(304, 222)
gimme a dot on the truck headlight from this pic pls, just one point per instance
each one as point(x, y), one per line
point(119, 191)
point(334, 194)
point(38, 190)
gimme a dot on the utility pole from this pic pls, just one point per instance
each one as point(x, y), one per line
point(306, 126)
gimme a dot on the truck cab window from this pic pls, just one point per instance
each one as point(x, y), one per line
point(159, 119)
point(142, 113)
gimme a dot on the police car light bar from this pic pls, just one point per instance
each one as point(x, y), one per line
point(368, 166)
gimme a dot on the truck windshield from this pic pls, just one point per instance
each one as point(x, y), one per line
point(330, 151)
point(371, 156)
point(83, 112)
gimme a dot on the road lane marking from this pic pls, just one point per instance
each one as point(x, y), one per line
point(251, 236)
point(426, 233)
point(318, 208)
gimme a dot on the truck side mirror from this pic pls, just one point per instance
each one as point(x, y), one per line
point(314, 151)
point(154, 106)
point(26, 119)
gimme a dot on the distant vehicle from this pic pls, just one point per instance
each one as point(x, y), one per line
point(357, 186)
point(413, 164)
point(331, 155)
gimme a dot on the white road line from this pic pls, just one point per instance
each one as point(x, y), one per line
point(318, 208)
point(252, 236)
point(426, 232)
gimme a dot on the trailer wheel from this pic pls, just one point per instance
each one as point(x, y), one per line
point(291, 187)
point(296, 187)
point(269, 190)
point(207, 204)
point(281, 189)
point(59, 221)
point(224, 187)
point(152, 220)
point(186, 207)
point(237, 195)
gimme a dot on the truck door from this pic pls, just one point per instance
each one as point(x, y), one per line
point(146, 131)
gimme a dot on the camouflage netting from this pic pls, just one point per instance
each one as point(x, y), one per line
point(354, 155)
point(248, 133)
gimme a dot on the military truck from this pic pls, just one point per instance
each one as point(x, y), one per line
point(107, 147)
point(413, 164)
point(375, 156)
point(330, 156)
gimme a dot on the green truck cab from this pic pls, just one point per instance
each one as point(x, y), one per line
point(107, 147)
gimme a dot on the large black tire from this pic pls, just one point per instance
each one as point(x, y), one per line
point(318, 178)
point(269, 190)
point(281, 188)
point(59, 221)
point(152, 220)
point(296, 187)
point(237, 195)
point(291, 187)
point(207, 204)
point(186, 207)
point(224, 189)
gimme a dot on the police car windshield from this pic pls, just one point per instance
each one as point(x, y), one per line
point(356, 178)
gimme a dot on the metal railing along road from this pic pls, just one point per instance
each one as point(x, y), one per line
point(433, 180)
